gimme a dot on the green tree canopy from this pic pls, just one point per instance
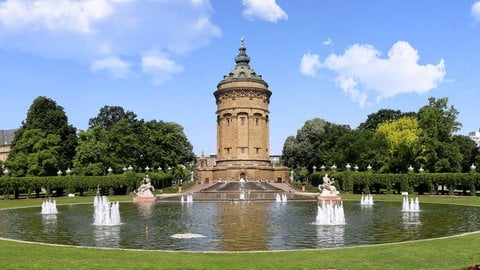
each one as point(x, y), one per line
point(401, 136)
point(383, 116)
point(361, 147)
point(117, 139)
point(45, 121)
point(389, 140)
point(468, 149)
point(88, 159)
point(110, 115)
point(313, 145)
point(438, 123)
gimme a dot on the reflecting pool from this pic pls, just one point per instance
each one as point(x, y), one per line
point(237, 226)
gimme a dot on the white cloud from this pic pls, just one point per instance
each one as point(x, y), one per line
point(89, 30)
point(119, 69)
point(361, 71)
point(475, 11)
point(159, 67)
point(267, 10)
point(309, 64)
point(328, 42)
point(54, 15)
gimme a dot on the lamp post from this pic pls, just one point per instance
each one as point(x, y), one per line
point(130, 167)
point(473, 167)
point(68, 171)
point(410, 168)
point(314, 168)
point(109, 170)
point(59, 172)
point(6, 172)
point(124, 169)
point(322, 167)
point(147, 168)
point(334, 167)
point(355, 168)
point(346, 182)
point(369, 167)
point(421, 169)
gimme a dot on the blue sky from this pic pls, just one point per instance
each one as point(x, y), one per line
point(339, 60)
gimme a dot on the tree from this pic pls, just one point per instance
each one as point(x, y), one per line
point(37, 154)
point(438, 123)
point(88, 159)
point(324, 150)
point(401, 135)
point(117, 139)
point(110, 115)
point(44, 118)
point(360, 147)
point(313, 145)
point(124, 144)
point(468, 149)
point(383, 116)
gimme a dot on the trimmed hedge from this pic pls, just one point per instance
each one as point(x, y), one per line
point(112, 184)
point(349, 182)
point(421, 183)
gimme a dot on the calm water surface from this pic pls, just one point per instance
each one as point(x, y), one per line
point(237, 226)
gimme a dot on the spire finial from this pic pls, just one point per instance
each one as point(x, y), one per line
point(242, 58)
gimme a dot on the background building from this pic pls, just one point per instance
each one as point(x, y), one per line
point(6, 138)
point(475, 136)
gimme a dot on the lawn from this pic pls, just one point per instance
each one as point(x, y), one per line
point(446, 253)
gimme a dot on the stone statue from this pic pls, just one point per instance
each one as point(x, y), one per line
point(328, 187)
point(146, 189)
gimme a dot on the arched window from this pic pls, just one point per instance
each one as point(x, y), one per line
point(257, 117)
point(228, 118)
point(243, 118)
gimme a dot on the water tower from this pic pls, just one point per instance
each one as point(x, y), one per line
point(243, 140)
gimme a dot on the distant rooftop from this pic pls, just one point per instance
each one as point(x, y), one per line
point(475, 136)
point(6, 136)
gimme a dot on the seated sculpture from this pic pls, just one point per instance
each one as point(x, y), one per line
point(146, 189)
point(328, 187)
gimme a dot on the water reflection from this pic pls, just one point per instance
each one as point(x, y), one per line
point(49, 223)
point(243, 225)
point(145, 209)
point(330, 236)
point(411, 219)
point(366, 206)
point(107, 236)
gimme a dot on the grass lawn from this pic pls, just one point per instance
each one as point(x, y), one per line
point(446, 253)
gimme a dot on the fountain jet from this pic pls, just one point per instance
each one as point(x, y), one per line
point(106, 213)
point(366, 199)
point(49, 207)
point(281, 197)
point(330, 213)
point(411, 205)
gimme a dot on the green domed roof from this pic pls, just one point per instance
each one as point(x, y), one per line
point(242, 70)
